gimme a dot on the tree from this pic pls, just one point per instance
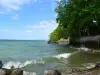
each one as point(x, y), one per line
point(77, 18)
point(57, 34)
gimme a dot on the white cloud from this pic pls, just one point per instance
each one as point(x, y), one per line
point(13, 5)
point(3, 30)
point(54, 4)
point(58, 0)
point(15, 17)
point(44, 28)
point(44, 24)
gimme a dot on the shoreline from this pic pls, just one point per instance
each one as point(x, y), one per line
point(92, 42)
point(94, 70)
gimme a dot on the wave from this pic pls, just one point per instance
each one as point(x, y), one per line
point(89, 65)
point(64, 55)
point(20, 65)
point(83, 49)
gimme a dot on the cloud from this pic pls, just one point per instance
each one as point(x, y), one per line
point(3, 30)
point(44, 28)
point(44, 24)
point(58, 0)
point(15, 17)
point(54, 4)
point(13, 5)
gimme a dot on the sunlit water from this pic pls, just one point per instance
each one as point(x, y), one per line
point(36, 56)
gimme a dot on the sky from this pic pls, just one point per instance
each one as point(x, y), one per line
point(27, 19)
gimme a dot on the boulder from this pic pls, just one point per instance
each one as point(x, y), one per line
point(2, 72)
point(52, 72)
point(17, 72)
point(97, 65)
point(1, 64)
point(8, 71)
point(87, 41)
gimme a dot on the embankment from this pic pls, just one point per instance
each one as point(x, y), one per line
point(88, 41)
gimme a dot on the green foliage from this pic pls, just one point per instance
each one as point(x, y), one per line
point(57, 34)
point(78, 17)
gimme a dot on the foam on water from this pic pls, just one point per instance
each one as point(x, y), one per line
point(89, 65)
point(29, 73)
point(64, 55)
point(84, 48)
point(20, 65)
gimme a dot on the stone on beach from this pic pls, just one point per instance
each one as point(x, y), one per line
point(2, 72)
point(52, 72)
point(17, 72)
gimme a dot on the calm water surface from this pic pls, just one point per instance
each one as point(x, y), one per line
point(36, 56)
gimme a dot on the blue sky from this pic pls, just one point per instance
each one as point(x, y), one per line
point(27, 19)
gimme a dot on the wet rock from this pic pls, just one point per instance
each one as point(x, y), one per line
point(17, 72)
point(2, 72)
point(97, 65)
point(49, 42)
point(52, 72)
point(88, 41)
point(1, 64)
point(8, 71)
point(52, 42)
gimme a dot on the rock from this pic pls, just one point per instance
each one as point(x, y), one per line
point(97, 65)
point(1, 64)
point(52, 72)
point(88, 41)
point(49, 42)
point(52, 42)
point(8, 71)
point(17, 72)
point(12, 67)
point(2, 72)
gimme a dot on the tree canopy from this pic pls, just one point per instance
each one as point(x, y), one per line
point(77, 18)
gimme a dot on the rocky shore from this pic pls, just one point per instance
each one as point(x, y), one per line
point(4, 71)
point(92, 71)
point(88, 71)
point(88, 41)
point(62, 41)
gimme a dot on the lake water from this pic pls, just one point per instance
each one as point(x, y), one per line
point(36, 56)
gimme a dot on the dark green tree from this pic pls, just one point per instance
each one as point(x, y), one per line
point(77, 18)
